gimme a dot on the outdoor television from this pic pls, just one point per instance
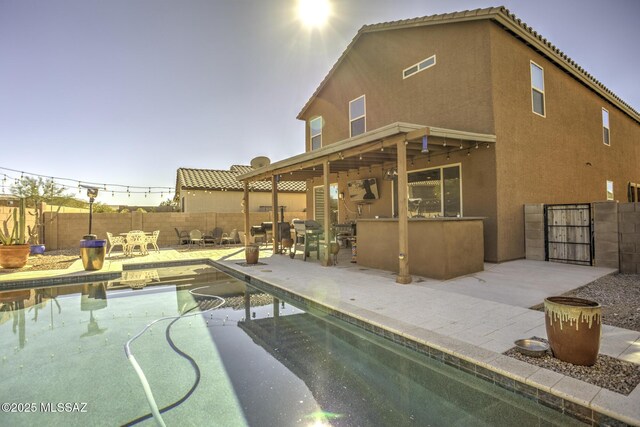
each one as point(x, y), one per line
point(363, 190)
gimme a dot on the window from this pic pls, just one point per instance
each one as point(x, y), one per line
point(609, 190)
point(537, 89)
point(634, 192)
point(420, 66)
point(605, 127)
point(318, 204)
point(315, 126)
point(434, 192)
point(357, 116)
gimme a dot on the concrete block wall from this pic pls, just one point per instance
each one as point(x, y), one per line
point(534, 231)
point(64, 230)
point(629, 231)
point(605, 234)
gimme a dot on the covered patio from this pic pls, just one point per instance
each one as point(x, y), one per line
point(392, 148)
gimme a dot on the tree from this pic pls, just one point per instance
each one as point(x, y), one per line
point(103, 208)
point(36, 191)
point(169, 202)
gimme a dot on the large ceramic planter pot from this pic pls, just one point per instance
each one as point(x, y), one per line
point(573, 328)
point(14, 256)
point(92, 252)
point(252, 253)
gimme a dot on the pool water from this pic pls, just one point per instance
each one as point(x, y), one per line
point(255, 360)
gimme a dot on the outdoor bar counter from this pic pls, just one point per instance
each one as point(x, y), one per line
point(439, 248)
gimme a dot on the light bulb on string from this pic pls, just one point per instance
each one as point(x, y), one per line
point(477, 145)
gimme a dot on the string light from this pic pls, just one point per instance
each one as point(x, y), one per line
point(70, 183)
point(477, 145)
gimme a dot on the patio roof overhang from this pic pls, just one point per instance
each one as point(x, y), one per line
point(376, 147)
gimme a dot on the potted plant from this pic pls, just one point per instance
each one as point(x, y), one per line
point(252, 253)
point(14, 251)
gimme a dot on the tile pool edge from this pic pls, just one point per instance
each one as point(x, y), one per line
point(484, 364)
point(59, 280)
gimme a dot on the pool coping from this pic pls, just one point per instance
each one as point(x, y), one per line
point(529, 381)
point(541, 385)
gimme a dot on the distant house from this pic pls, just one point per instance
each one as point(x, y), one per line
point(467, 114)
point(8, 200)
point(209, 190)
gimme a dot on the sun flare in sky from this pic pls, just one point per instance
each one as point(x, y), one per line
point(314, 13)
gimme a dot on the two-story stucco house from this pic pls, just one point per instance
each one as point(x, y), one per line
point(468, 114)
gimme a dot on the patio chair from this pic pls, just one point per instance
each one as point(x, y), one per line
point(183, 236)
point(308, 234)
point(115, 241)
point(153, 240)
point(195, 236)
point(135, 238)
point(215, 237)
point(231, 238)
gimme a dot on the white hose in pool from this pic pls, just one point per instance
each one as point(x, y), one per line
point(143, 379)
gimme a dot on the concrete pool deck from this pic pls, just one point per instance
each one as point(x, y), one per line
point(474, 318)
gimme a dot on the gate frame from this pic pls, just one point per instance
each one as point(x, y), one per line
point(591, 234)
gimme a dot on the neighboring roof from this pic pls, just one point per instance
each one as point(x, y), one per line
point(225, 180)
point(511, 23)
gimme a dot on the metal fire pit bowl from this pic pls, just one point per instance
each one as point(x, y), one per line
point(530, 347)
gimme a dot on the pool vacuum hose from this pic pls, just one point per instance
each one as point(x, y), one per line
point(143, 379)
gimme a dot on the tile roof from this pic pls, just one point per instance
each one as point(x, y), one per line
point(509, 21)
point(210, 179)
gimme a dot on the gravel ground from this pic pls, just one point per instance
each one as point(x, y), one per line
point(608, 372)
point(619, 296)
point(52, 260)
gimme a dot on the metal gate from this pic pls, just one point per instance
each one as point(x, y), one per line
point(568, 234)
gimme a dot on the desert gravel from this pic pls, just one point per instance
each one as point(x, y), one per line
point(608, 372)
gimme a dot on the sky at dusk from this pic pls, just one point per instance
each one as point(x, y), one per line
point(127, 91)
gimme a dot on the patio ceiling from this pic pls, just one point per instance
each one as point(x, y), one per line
point(373, 148)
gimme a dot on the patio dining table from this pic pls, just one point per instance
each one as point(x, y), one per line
point(142, 244)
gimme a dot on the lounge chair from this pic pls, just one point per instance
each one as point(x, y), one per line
point(115, 241)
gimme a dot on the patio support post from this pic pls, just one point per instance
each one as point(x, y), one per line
point(326, 259)
point(245, 210)
point(274, 202)
point(403, 276)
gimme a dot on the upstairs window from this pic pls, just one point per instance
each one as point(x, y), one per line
point(609, 190)
point(357, 116)
point(420, 66)
point(315, 126)
point(537, 89)
point(605, 127)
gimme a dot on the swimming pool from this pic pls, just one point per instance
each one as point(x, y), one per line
point(254, 360)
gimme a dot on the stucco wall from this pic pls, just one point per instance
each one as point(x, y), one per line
point(374, 68)
point(65, 230)
point(459, 250)
point(556, 159)
point(229, 201)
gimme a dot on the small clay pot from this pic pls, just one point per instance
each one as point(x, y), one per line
point(252, 253)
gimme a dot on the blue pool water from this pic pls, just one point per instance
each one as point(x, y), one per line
point(254, 360)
